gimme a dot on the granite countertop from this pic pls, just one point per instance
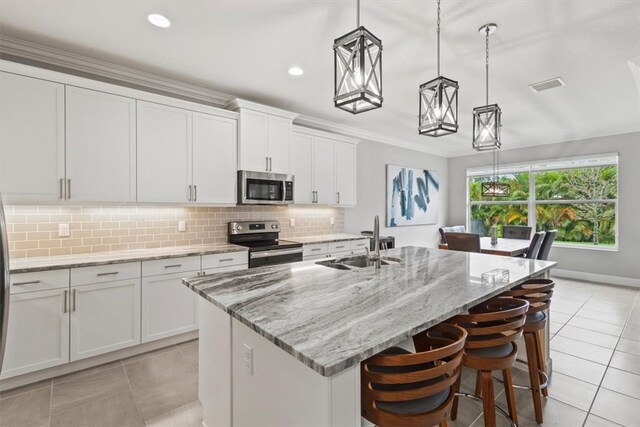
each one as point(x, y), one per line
point(329, 238)
point(26, 265)
point(332, 319)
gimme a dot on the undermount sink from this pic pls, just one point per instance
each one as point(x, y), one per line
point(355, 262)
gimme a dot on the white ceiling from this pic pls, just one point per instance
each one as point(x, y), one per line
point(245, 48)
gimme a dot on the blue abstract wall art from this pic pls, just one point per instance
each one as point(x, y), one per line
point(413, 196)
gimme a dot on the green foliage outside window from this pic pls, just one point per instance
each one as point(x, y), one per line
point(585, 214)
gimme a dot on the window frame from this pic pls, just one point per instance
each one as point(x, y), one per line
point(581, 162)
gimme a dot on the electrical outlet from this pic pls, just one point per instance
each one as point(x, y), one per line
point(332, 221)
point(182, 226)
point(292, 222)
point(248, 359)
point(63, 230)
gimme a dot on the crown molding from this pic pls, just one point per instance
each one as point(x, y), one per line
point(238, 104)
point(16, 50)
point(95, 67)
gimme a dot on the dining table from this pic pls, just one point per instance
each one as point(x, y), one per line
point(504, 247)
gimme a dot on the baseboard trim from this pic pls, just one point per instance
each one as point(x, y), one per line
point(598, 278)
point(67, 368)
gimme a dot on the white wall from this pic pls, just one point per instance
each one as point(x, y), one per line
point(625, 263)
point(372, 160)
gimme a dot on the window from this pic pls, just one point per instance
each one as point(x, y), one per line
point(578, 197)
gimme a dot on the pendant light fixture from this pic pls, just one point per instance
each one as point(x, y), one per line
point(438, 101)
point(487, 119)
point(495, 188)
point(357, 70)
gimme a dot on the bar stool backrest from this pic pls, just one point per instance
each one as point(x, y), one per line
point(412, 376)
point(537, 292)
point(495, 322)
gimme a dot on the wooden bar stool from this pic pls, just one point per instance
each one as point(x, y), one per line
point(400, 388)
point(538, 293)
point(493, 327)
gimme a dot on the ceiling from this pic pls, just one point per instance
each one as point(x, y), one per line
point(245, 48)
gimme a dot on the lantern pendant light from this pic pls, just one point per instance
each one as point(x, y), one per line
point(438, 101)
point(357, 70)
point(487, 119)
point(495, 188)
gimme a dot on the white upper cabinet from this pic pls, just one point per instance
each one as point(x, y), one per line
point(214, 159)
point(31, 139)
point(164, 158)
point(324, 166)
point(345, 173)
point(301, 168)
point(324, 171)
point(264, 137)
point(101, 146)
point(253, 141)
point(279, 142)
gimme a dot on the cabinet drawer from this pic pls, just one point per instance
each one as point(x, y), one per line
point(315, 249)
point(39, 281)
point(224, 260)
point(360, 244)
point(171, 265)
point(339, 246)
point(104, 273)
point(224, 269)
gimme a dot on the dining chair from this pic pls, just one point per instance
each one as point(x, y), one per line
point(549, 237)
point(534, 246)
point(516, 232)
point(452, 229)
point(465, 242)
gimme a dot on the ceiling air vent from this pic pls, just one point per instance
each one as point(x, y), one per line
point(547, 84)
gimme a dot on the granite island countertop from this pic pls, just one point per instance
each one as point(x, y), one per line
point(332, 319)
point(27, 265)
point(328, 238)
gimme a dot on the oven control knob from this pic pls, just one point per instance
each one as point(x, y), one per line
point(274, 226)
point(238, 227)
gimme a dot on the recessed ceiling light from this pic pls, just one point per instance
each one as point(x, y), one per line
point(159, 20)
point(547, 84)
point(296, 71)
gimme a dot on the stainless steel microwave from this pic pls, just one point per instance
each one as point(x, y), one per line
point(264, 188)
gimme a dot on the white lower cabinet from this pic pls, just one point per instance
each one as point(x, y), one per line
point(104, 317)
point(38, 334)
point(168, 307)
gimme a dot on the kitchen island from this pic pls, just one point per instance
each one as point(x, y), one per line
point(282, 345)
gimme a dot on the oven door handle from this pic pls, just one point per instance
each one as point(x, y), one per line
point(265, 254)
point(284, 190)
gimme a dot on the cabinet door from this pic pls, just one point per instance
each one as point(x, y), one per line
point(345, 173)
point(323, 171)
point(104, 317)
point(301, 168)
point(279, 141)
point(252, 145)
point(164, 158)
point(168, 307)
point(31, 139)
point(38, 334)
point(214, 159)
point(101, 146)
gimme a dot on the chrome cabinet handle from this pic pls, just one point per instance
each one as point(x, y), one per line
point(190, 193)
point(270, 164)
point(61, 188)
point(173, 266)
point(195, 193)
point(74, 300)
point(65, 309)
point(226, 260)
point(315, 249)
point(112, 273)
point(339, 247)
point(338, 197)
point(267, 165)
point(69, 189)
point(32, 282)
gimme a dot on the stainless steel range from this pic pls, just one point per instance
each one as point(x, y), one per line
point(265, 246)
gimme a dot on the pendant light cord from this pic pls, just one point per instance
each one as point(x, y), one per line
point(358, 14)
point(438, 37)
point(487, 63)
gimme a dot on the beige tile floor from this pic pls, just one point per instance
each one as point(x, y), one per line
point(595, 348)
